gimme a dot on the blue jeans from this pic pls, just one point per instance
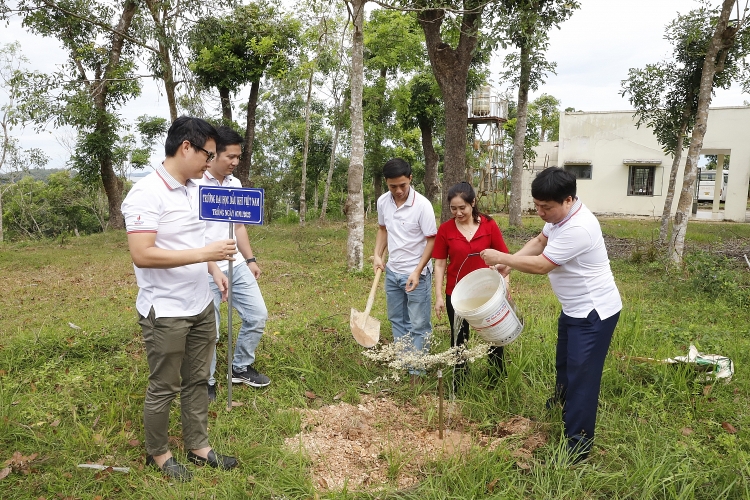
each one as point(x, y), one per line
point(409, 312)
point(248, 301)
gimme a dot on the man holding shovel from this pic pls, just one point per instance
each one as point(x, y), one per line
point(570, 249)
point(246, 296)
point(407, 229)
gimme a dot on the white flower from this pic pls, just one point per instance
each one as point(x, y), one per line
point(400, 355)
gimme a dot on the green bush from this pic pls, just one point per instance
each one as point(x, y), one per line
point(716, 275)
point(48, 208)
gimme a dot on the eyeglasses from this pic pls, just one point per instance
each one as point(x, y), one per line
point(210, 155)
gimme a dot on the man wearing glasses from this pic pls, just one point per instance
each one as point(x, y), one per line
point(174, 303)
point(246, 296)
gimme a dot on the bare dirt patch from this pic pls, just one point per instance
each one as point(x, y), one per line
point(381, 442)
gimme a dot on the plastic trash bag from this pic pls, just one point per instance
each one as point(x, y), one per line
point(716, 367)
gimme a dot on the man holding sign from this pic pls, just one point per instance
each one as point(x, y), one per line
point(167, 245)
point(246, 296)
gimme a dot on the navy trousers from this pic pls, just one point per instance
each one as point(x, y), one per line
point(582, 345)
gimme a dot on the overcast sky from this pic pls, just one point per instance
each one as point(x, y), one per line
point(593, 51)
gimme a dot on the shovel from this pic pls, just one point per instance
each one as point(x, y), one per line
point(366, 330)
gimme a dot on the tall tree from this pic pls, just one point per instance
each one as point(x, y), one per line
point(317, 56)
point(337, 114)
point(451, 52)
point(165, 35)
point(665, 94)
point(508, 143)
point(725, 35)
point(526, 25)
point(394, 45)
point(253, 41)
point(14, 161)
point(160, 32)
point(419, 105)
point(96, 81)
point(355, 203)
point(548, 109)
point(657, 96)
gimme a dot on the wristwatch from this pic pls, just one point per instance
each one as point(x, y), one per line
point(251, 259)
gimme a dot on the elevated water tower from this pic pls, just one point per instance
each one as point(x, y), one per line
point(488, 111)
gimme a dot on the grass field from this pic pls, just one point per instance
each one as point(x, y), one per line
point(73, 375)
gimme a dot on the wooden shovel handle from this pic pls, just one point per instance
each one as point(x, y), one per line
point(371, 298)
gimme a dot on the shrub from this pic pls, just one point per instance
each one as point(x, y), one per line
point(717, 275)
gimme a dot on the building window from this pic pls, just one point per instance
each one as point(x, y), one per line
point(580, 171)
point(641, 181)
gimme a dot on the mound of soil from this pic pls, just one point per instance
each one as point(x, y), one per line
point(381, 442)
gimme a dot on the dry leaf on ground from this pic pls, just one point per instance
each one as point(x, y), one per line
point(728, 427)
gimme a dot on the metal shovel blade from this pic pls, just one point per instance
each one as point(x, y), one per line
point(366, 329)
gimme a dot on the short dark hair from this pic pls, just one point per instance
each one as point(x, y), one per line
point(467, 193)
point(227, 137)
point(396, 167)
point(188, 128)
point(553, 184)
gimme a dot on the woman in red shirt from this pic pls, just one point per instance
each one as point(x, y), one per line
point(457, 244)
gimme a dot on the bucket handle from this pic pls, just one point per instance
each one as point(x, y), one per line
point(475, 254)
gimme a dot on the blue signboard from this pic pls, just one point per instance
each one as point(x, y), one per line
point(240, 205)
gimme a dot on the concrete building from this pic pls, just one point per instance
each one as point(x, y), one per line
point(621, 169)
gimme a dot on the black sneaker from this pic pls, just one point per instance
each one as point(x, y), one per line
point(250, 377)
point(211, 393)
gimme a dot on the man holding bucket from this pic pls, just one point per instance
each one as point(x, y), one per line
point(570, 249)
point(407, 229)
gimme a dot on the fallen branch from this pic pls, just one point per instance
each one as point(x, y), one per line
point(104, 467)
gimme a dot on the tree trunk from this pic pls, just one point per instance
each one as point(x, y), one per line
point(354, 208)
point(666, 214)
point(226, 105)
point(377, 135)
point(722, 39)
point(113, 188)
point(303, 181)
point(451, 68)
point(2, 192)
point(331, 163)
point(519, 141)
point(431, 158)
point(112, 184)
point(243, 168)
point(167, 71)
point(5, 148)
point(456, 110)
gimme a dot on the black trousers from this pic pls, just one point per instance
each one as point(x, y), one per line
point(495, 354)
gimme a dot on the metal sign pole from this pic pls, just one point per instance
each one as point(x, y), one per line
point(230, 351)
point(235, 206)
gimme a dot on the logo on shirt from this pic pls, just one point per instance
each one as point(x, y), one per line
point(138, 221)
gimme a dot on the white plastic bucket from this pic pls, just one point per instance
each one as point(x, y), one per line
point(481, 298)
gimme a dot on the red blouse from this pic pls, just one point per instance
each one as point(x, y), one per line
point(452, 245)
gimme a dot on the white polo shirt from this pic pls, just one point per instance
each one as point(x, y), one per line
point(582, 279)
point(216, 230)
point(160, 204)
point(408, 227)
